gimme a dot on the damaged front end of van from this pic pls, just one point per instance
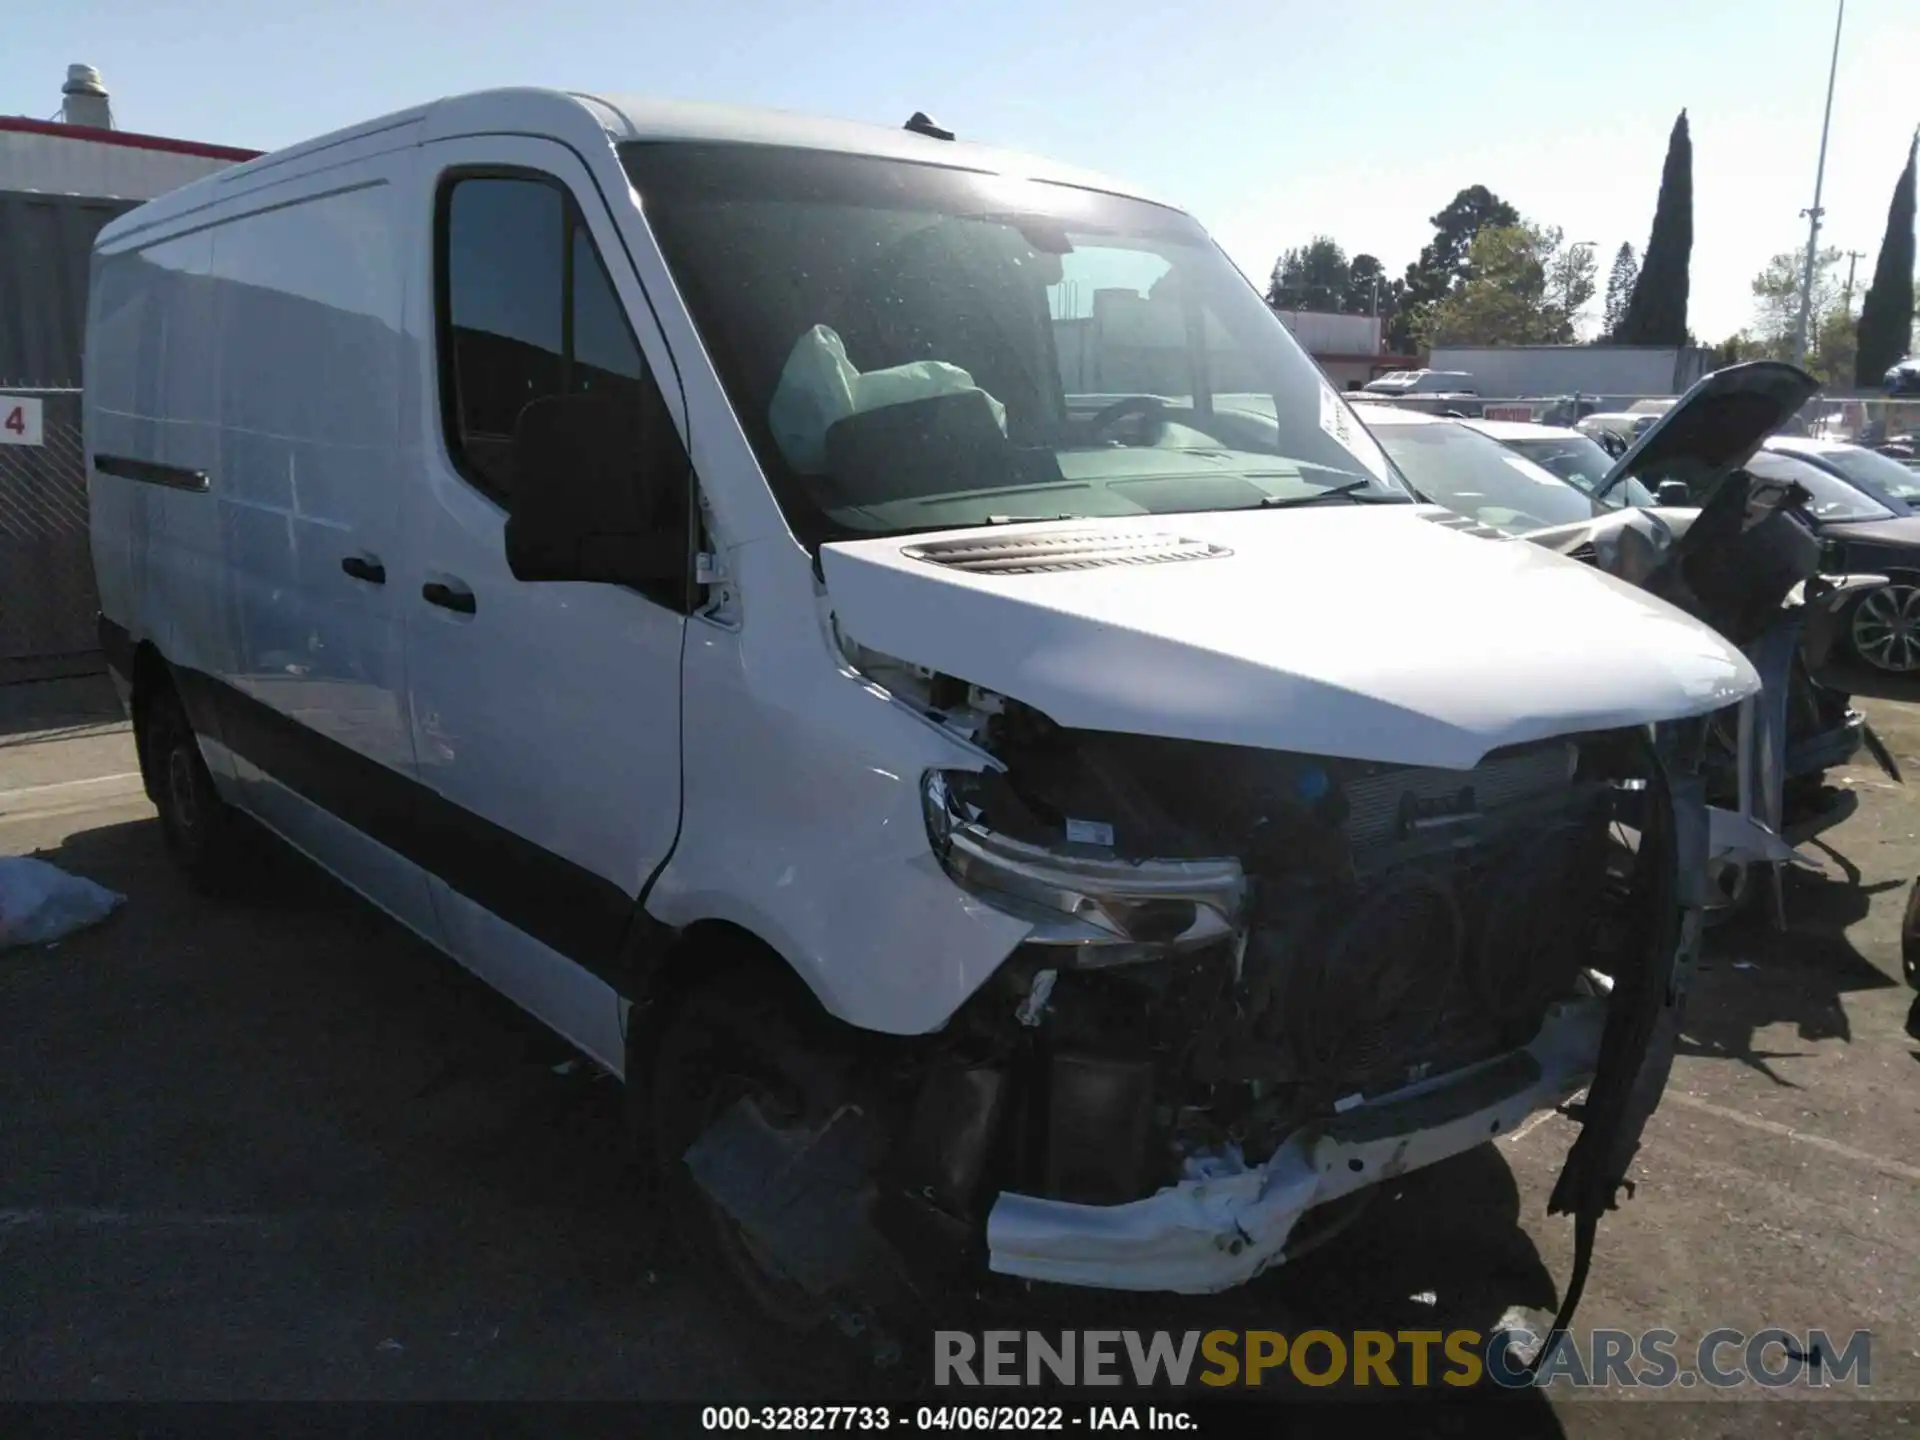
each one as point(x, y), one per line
point(1257, 979)
point(1286, 980)
point(1256, 984)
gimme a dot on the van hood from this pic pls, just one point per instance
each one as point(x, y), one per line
point(1365, 632)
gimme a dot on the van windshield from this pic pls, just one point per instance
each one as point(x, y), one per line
point(912, 347)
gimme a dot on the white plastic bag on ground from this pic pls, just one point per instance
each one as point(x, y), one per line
point(40, 903)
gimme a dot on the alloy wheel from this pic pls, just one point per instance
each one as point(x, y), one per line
point(1886, 628)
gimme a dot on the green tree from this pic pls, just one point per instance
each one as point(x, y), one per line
point(1443, 262)
point(1521, 287)
point(1834, 348)
point(1318, 276)
point(1776, 301)
point(1572, 282)
point(1735, 348)
point(1369, 289)
point(1657, 312)
point(1885, 333)
point(1310, 277)
point(1620, 281)
point(1776, 316)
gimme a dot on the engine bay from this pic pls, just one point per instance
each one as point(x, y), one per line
point(1400, 924)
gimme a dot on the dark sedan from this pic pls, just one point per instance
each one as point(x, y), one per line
point(1870, 505)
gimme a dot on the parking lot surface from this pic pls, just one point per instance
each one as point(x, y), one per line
point(274, 1147)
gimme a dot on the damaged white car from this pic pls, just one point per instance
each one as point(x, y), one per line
point(893, 648)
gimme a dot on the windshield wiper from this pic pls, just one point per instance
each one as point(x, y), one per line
point(1287, 502)
point(1027, 519)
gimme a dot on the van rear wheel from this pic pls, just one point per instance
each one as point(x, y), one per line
point(198, 825)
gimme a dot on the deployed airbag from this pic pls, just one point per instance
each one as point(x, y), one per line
point(819, 387)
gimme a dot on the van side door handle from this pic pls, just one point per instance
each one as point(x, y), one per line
point(448, 597)
point(361, 568)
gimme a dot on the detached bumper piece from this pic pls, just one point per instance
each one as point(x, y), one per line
point(1211, 1234)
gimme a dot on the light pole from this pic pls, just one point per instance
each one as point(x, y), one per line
point(1813, 215)
point(1854, 257)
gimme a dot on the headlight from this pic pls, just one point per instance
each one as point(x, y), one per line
point(1112, 910)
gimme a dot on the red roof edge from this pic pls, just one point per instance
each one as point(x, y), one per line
point(127, 138)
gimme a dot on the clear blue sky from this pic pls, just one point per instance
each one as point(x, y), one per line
point(1272, 120)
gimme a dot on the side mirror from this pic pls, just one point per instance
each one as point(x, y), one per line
point(584, 506)
point(1673, 493)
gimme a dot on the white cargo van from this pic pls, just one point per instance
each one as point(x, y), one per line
point(1079, 830)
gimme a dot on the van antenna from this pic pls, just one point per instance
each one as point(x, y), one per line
point(922, 123)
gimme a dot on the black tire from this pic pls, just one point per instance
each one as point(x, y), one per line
point(199, 827)
point(704, 1062)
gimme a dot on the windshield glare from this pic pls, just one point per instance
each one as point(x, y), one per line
point(1581, 463)
point(1833, 498)
point(910, 347)
point(1880, 476)
point(1481, 478)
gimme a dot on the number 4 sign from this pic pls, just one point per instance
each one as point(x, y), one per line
point(20, 422)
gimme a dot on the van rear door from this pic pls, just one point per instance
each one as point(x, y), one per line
point(546, 715)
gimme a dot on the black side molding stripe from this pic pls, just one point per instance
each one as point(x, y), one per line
point(566, 907)
point(117, 645)
point(148, 472)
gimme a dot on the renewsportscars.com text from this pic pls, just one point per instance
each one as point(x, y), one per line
point(1650, 1359)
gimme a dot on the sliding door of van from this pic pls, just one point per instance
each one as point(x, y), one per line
point(546, 716)
point(311, 279)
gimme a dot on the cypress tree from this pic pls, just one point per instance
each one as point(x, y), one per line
point(1657, 313)
point(1886, 316)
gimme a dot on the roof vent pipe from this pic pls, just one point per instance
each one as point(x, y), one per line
point(85, 101)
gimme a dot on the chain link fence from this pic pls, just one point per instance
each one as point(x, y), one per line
point(1892, 426)
point(48, 600)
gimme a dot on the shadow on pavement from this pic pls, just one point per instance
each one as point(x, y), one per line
point(58, 709)
point(1753, 976)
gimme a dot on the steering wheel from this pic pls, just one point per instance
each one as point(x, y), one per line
point(1108, 416)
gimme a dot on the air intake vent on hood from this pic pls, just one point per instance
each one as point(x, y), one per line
point(1062, 550)
point(1452, 521)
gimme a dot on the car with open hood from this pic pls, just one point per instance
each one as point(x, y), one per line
point(1631, 516)
point(861, 633)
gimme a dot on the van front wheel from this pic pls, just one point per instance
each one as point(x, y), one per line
point(198, 825)
point(730, 1039)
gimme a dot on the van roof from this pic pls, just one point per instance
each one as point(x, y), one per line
point(618, 118)
point(643, 118)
